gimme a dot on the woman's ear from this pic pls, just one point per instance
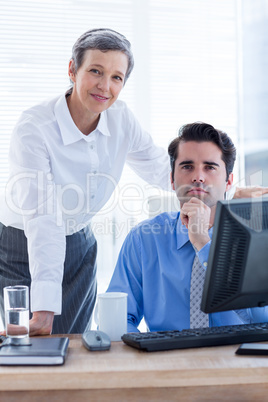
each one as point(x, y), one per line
point(71, 70)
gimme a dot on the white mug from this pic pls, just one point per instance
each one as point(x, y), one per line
point(111, 314)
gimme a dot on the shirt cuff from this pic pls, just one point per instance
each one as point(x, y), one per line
point(203, 254)
point(131, 327)
point(46, 296)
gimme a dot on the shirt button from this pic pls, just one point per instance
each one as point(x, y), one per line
point(93, 196)
point(95, 172)
point(205, 264)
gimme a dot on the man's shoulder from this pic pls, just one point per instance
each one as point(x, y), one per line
point(160, 224)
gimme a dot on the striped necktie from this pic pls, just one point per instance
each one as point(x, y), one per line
point(198, 319)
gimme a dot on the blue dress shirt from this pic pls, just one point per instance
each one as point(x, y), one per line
point(154, 268)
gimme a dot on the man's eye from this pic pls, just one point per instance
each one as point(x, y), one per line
point(186, 167)
point(209, 167)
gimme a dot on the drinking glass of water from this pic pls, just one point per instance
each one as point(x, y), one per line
point(16, 301)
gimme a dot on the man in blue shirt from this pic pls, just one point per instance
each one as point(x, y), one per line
point(155, 263)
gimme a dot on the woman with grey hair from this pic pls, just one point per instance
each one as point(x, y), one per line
point(66, 158)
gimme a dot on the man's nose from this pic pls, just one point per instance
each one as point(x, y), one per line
point(198, 177)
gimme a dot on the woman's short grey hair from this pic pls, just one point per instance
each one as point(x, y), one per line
point(102, 39)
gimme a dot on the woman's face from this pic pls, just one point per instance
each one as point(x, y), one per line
point(98, 81)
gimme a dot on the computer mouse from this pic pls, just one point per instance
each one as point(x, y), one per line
point(96, 340)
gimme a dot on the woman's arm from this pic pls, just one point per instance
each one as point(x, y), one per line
point(250, 192)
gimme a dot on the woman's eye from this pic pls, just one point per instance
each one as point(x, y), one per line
point(117, 78)
point(93, 70)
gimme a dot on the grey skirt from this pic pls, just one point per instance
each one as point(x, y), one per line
point(79, 287)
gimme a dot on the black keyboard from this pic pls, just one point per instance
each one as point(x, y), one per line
point(196, 338)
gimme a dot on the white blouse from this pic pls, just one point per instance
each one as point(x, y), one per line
point(60, 178)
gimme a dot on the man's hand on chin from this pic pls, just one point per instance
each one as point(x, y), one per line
point(196, 215)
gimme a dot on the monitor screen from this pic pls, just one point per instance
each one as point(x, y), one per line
point(237, 272)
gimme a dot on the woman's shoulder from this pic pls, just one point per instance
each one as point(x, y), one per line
point(35, 121)
point(40, 113)
point(120, 109)
point(121, 118)
point(118, 105)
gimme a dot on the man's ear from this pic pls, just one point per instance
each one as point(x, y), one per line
point(172, 182)
point(229, 182)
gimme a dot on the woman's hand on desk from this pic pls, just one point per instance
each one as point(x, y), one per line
point(250, 192)
point(41, 323)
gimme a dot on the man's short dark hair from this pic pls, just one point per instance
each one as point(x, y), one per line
point(203, 132)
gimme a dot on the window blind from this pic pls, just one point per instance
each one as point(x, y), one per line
point(193, 65)
point(36, 40)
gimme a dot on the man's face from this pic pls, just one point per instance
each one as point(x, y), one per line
point(200, 172)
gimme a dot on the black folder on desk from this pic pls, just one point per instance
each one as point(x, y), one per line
point(38, 352)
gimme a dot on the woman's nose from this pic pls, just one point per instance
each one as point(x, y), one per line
point(103, 84)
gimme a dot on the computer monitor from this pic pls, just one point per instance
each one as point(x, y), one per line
point(237, 271)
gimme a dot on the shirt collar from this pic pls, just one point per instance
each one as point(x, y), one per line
point(102, 126)
point(182, 234)
point(69, 131)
